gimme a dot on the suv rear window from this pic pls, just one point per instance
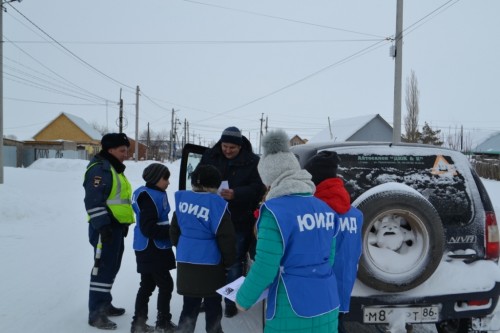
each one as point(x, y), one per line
point(436, 177)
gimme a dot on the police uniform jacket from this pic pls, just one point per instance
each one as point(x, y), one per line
point(98, 183)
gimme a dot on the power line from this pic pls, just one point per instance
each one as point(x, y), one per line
point(337, 63)
point(427, 17)
point(73, 54)
point(203, 42)
point(31, 76)
point(56, 103)
point(53, 72)
point(283, 18)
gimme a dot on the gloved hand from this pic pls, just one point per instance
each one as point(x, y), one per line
point(106, 233)
point(125, 230)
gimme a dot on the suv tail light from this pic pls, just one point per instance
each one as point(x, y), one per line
point(492, 236)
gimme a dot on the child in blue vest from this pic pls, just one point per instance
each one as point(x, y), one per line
point(153, 249)
point(330, 188)
point(205, 240)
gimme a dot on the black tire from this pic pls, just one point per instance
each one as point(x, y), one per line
point(453, 326)
point(403, 240)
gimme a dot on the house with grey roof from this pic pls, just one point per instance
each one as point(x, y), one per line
point(364, 128)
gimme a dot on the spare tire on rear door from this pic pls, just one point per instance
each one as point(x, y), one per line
point(403, 238)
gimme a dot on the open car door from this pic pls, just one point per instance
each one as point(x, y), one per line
point(191, 156)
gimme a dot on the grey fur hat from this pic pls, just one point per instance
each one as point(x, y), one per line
point(277, 159)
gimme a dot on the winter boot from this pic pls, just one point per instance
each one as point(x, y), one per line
point(164, 325)
point(139, 326)
point(111, 311)
point(230, 310)
point(102, 322)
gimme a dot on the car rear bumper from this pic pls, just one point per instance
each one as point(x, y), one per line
point(452, 306)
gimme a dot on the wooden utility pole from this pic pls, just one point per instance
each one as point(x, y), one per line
point(171, 136)
point(1, 92)
point(147, 144)
point(330, 128)
point(260, 135)
point(120, 117)
point(136, 124)
point(396, 131)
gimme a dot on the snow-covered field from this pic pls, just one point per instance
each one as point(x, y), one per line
point(45, 257)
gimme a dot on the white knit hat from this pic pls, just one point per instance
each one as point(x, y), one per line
point(277, 158)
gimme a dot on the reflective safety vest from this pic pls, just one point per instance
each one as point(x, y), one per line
point(118, 200)
point(199, 215)
point(160, 200)
point(308, 227)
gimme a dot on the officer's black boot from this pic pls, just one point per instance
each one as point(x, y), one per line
point(111, 311)
point(101, 321)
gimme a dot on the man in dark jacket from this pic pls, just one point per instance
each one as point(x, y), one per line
point(107, 201)
point(232, 155)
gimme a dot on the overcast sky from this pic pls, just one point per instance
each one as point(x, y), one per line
point(219, 63)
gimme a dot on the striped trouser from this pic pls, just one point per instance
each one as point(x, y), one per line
point(110, 261)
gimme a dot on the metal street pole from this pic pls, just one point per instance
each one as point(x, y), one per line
point(1, 85)
point(1, 93)
point(396, 131)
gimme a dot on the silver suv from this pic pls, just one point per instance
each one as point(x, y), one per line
point(430, 237)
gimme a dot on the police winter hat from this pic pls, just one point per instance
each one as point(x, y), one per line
point(277, 158)
point(154, 172)
point(206, 176)
point(113, 140)
point(322, 166)
point(232, 135)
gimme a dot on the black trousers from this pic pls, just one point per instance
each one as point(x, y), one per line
point(148, 284)
point(191, 309)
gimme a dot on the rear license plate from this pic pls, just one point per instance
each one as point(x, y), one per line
point(424, 314)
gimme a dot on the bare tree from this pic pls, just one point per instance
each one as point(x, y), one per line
point(459, 140)
point(103, 129)
point(156, 142)
point(411, 119)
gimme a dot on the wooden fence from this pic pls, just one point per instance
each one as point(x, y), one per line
point(487, 168)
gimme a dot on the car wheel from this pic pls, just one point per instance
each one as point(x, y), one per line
point(403, 239)
point(453, 326)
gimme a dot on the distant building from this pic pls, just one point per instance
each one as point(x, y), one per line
point(297, 140)
point(364, 128)
point(67, 136)
point(484, 142)
point(68, 127)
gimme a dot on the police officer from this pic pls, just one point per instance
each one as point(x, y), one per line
point(107, 201)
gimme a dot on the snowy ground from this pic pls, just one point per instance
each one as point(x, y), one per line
point(46, 259)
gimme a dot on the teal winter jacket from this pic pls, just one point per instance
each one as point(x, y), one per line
point(262, 273)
